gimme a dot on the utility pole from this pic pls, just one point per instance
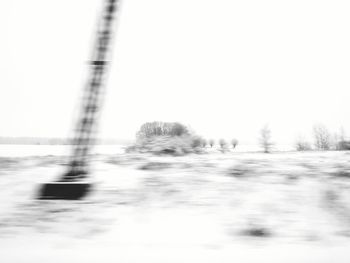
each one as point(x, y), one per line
point(73, 184)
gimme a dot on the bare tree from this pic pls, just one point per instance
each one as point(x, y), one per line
point(265, 139)
point(234, 143)
point(222, 143)
point(211, 143)
point(322, 137)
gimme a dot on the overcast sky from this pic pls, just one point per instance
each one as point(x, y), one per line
point(224, 67)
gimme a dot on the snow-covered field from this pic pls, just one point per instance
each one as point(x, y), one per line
point(214, 207)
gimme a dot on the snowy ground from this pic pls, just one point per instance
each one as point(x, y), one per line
point(233, 207)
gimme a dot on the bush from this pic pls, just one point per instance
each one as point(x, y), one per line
point(302, 145)
point(168, 145)
point(343, 145)
point(166, 138)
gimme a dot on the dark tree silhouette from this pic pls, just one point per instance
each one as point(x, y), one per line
point(222, 143)
point(211, 143)
point(234, 143)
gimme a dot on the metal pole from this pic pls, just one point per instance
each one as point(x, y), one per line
point(71, 186)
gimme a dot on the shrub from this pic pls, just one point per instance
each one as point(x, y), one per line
point(343, 145)
point(196, 142)
point(302, 145)
point(166, 138)
point(257, 232)
point(168, 145)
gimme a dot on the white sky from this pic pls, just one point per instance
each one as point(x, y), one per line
point(224, 67)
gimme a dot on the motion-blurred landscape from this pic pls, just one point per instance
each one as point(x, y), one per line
point(233, 205)
point(174, 131)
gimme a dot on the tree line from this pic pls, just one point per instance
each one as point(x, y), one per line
point(322, 137)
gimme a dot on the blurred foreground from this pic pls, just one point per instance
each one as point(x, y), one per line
point(214, 207)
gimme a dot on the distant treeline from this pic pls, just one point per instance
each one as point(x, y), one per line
point(51, 141)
